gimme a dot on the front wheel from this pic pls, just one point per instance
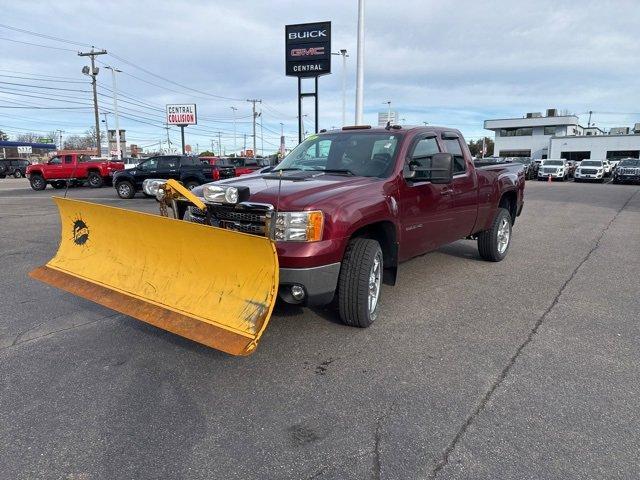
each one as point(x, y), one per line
point(95, 180)
point(17, 174)
point(493, 244)
point(359, 282)
point(37, 182)
point(125, 189)
point(191, 184)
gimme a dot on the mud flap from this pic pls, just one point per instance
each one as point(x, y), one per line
point(211, 285)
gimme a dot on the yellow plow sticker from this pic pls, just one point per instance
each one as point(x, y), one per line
point(211, 285)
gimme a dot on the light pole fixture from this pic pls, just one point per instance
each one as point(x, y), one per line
point(343, 53)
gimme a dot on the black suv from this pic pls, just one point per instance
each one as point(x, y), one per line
point(188, 170)
point(13, 166)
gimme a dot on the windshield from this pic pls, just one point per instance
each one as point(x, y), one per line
point(630, 162)
point(364, 154)
point(555, 163)
point(590, 163)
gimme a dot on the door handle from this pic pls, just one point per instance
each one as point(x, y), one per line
point(445, 191)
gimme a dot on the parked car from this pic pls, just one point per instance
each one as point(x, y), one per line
point(614, 163)
point(221, 168)
point(530, 166)
point(354, 203)
point(244, 165)
point(554, 168)
point(130, 162)
point(590, 170)
point(189, 170)
point(72, 168)
point(13, 167)
point(628, 171)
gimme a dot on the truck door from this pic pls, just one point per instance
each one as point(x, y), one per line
point(68, 168)
point(146, 169)
point(168, 167)
point(464, 187)
point(54, 167)
point(425, 208)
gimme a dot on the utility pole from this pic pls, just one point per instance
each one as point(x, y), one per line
point(235, 147)
point(360, 64)
point(282, 148)
point(115, 111)
point(388, 102)
point(219, 145)
point(212, 149)
point(589, 122)
point(93, 73)
point(343, 52)
point(245, 143)
point(168, 139)
point(60, 132)
point(255, 114)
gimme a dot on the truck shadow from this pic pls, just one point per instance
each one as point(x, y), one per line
point(467, 249)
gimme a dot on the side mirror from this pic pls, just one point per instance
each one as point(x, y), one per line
point(440, 171)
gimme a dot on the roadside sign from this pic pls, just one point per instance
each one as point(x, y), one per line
point(24, 150)
point(45, 140)
point(308, 49)
point(182, 114)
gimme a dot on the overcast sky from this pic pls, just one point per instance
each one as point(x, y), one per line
point(450, 63)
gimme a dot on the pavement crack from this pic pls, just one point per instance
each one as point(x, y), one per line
point(377, 439)
point(444, 459)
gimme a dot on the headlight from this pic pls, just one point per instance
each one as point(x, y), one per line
point(220, 194)
point(299, 226)
point(151, 185)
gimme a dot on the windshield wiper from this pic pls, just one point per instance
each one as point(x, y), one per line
point(334, 170)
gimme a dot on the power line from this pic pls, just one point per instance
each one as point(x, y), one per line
point(42, 35)
point(46, 88)
point(37, 44)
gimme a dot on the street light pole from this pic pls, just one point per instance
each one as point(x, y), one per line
point(360, 64)
point(115, 110)
point(93, 73)
point(388, 102)
point(235, 148)
point(343, 52)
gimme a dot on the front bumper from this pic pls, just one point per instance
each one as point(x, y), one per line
point(319, 283)
point(552, 175)
point(592, 176)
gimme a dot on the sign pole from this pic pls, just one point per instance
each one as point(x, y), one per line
point(316, 100)
point(182, 134)
point(300, 110)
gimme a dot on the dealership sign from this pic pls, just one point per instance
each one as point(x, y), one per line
point(182, 114)
point(308, 49)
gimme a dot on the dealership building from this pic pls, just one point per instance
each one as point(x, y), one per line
point(561, 136)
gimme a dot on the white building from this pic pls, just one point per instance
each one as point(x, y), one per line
point(560, 136)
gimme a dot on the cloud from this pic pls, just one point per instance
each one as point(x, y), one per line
point(454, 63)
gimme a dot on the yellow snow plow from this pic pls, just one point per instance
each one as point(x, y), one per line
point(211, 285)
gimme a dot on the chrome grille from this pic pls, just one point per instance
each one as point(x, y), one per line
point(588, 171)
point(240, 218)
point(549, 170)
point(629, 171)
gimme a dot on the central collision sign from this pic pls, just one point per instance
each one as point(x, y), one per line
point(182, 114)
point(308, 49)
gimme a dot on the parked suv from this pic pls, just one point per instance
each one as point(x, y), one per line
point(628, 170)
point(590, 170)
point(13, 166)
point(558, 169)
point(191, 171)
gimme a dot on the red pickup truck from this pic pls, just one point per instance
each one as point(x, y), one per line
point(73, 168)
point(345, 207)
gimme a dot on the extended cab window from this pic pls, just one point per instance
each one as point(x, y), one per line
point(452, 146)
point(169, 163)
point(68, 159)
point(55, 161)
point(151, 164)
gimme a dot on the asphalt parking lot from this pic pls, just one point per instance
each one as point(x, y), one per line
point(526, 368)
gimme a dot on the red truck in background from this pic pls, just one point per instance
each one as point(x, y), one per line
point(73, 168)
point(347, 206)
point(221, 167)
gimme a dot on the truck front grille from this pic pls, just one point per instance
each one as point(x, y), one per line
point(629, 171)
point(588, 171)
point(240, 218)
point(549, 170)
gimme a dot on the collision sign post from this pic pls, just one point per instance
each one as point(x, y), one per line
point(307, 55)
point(182, 114)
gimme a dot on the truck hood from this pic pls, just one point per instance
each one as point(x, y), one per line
point(300, 190)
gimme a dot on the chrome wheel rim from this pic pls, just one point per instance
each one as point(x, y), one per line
point(124, 190)
point(504, 234)
point(375, 276)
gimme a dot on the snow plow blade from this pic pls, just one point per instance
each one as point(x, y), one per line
point(211, 285)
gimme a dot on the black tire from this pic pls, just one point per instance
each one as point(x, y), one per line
point(17, 174)
point(488, 241)
point(2, 175)
point(353, 282)
point(125, 189)
point(37, 182)
point(58, 185)
point(577, 180)
point(191, 184)
point(95, 180)
point(615, 180)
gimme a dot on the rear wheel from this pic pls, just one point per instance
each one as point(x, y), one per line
point(17, 174)
point(359, 282)
point(125, 189)
point(95, 180)
point(493, 244)
point(37, 182)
